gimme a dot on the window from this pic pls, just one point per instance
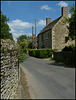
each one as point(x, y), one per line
point(40, 37)
point(46, 46)
point(47, 35)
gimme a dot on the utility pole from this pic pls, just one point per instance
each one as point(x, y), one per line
point(27, 45)
point(35, 33)
point(32, 37)
point(27, 40)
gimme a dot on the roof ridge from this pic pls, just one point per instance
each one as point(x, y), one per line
point(54, 20)
point(44, 29)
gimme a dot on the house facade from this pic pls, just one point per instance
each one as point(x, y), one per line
point(54, 33)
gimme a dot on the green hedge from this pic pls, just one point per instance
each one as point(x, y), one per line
point(41, 53)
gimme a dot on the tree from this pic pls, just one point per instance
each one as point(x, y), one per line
point(5, 34)
point(22, 41)
point(71, 26)
point(25, 42)
point(30, 45)
point(21, 38)
point(30, 42)
point(29, 37)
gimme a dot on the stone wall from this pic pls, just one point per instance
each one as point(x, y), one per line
point(46, 41)
point(9, 68)
point(65, 56)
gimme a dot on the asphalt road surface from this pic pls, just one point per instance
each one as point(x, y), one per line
point(49, 80)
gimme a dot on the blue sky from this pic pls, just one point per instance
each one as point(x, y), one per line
point(22, 14)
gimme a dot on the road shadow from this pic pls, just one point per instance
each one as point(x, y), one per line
point(58, 64)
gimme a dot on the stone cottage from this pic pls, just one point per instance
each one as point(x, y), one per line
point(54, 33)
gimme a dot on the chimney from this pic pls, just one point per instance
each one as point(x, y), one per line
point(48, 20)
point(65, 11)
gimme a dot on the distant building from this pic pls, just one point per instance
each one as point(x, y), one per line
point(54, 33)
point(34, 41)
point(33, 35)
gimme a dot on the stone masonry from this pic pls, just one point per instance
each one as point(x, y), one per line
point(9, 68)
point(54, 33)
point(59, 32)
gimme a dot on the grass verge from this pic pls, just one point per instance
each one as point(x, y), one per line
point(24, 84)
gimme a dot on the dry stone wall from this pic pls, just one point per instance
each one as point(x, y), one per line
point(9, 68)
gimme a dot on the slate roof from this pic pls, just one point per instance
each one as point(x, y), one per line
point(50, 25)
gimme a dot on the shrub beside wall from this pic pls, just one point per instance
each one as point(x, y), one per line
point(69, 48)
point(41, 53)
point(22, 55)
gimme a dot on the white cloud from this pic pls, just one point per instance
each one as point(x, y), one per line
point(45, 7)
point(17, 27)
point(12, 30)
point(63, 4)
point(19, 33)
point(41, 23)
point(29, 34)
point(18, 24)
point(69, 15)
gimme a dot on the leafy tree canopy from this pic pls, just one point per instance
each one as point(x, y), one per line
point(29, 37)
point(5, 34)
point(24, 41)
point(21, 38)
point(71, 21)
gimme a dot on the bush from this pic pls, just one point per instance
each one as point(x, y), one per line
point(41, 53)
point(22, 56)
point(69, 48)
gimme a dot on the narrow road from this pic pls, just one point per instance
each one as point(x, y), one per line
point(49, 80)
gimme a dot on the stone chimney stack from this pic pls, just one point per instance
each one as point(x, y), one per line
point(65, 11)
point(48, 20)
